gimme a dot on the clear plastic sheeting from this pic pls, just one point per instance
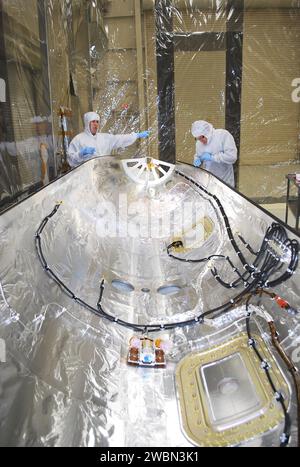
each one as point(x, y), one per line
point(65, 380)
point(26, 124)
point(48, 49)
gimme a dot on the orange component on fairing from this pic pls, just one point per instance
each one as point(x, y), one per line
point(281, 302)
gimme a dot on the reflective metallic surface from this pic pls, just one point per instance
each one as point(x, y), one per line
point(66, 381)
point(224, 395)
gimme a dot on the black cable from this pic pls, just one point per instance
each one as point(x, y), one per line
point(225, 219)
point(269, 266)
point(285, 437)
point(274, 233)
point(157, 327)
point(99, 310)
point(249, 248)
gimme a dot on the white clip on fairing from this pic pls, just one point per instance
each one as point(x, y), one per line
point(147, 171)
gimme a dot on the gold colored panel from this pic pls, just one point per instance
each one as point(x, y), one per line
point(120, 65)
point(271, 61)
point(121, 33)
point(224, 394)
point(195, 235)
point(265, 181)
point(115, 8)
point(198, 96)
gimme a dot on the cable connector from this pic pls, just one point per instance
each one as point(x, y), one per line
point(265, 365)
point(199, 319)
point(278, 396)
point(285, 305)
point(281, 302)
point(284, 439)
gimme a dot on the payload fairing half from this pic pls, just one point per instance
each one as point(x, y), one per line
point(147, 305)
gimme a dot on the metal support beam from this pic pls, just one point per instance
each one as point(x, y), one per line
point(165, 80)
point(140, 67)
point(234, 71)
point(7, 130)
point(47, 103)
point(140, 59)
point(10, 183)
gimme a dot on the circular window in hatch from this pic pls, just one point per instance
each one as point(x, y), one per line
point(169, 289)
point(122, 286)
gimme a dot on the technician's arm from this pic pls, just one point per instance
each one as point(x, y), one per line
point(74, 158)
point(122, 141)
point(229, 153)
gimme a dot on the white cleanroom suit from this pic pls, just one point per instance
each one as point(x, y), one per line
point(81, 147)
point(222, 148)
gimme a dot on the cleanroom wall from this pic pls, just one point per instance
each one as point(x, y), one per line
point(46, 59)
point(270, 100)
point(236, 64)
point(263, 59)
point(75, 42)
point(115, 79)
point(25, 107)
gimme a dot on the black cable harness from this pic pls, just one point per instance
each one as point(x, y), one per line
point(268, 260)
point(256, 276)
point(99, 311)
point(285, 436)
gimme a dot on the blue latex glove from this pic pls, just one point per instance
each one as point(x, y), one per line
point(143, 134)
point(88, 151)
point(206, 156)
point(197, 162)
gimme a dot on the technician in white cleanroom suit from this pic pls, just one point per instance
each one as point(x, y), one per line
point(215, 149)
point(90, 143)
